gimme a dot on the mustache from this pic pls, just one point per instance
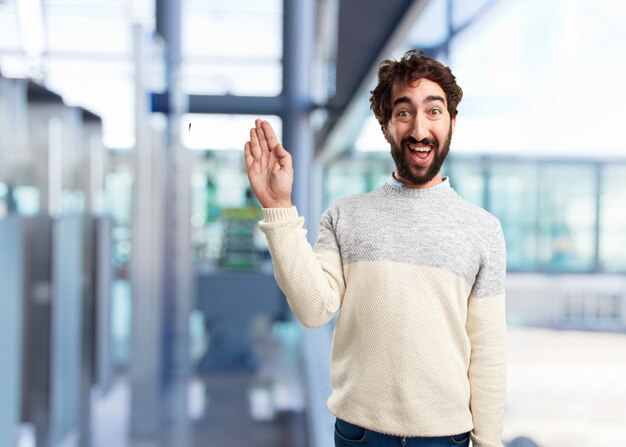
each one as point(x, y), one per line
point(424, 141)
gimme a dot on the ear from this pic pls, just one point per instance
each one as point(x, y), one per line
point(453, 123)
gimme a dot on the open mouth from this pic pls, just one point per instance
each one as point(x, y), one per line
point(420, 151)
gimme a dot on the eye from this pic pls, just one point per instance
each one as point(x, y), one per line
point(403, 115)
point(435, 111)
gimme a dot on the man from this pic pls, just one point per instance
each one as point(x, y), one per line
point(418, 354)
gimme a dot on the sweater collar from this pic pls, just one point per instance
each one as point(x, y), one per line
point(393, 181)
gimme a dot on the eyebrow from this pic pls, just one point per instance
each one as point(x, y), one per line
point(407, 100)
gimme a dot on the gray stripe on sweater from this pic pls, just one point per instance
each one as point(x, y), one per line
point(435, 228)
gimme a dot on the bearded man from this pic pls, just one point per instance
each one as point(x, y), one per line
point(415, 273)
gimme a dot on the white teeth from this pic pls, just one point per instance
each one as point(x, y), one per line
point(420, 148)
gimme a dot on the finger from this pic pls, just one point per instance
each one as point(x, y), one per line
point(247, 154)
point(255, 146)
point(270, 135)
point(262, 137)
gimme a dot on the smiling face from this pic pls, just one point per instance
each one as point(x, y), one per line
point(419, 132)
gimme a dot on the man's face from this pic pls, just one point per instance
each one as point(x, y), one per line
point(419, 132)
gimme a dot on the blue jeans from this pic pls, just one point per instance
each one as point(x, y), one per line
point(347, 434)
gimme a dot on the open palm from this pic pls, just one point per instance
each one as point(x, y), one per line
point(269, 165)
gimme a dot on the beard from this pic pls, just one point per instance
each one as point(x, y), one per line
point(420, 176)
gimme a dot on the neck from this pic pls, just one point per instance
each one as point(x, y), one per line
point(434, 182)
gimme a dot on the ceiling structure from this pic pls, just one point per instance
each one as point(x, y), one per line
point(232, 49)
point(89, 43)
point(86, 41)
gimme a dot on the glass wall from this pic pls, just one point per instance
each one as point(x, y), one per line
point(471, 170)
point(220, 198)
point(217, 56)
point(355, 176)
point(567, 217)
point(612, 234)
point(225, 212)
point(513, 196)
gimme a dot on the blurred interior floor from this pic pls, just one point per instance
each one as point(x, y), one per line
point(227, 420)
point(565, 388)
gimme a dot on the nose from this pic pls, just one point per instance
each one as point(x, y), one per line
point(419, 130)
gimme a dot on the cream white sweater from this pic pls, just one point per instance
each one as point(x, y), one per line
point(419, 345)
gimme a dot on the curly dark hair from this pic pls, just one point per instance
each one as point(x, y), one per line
point(393, 74)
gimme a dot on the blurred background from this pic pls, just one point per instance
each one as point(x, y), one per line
point(138, 303)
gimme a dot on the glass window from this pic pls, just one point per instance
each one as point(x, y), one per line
point(232, 47)
point(467, 178)
point(222, 200)
point(88, 57)
point(119, 197)
point(613, 219)
point(513, 193)
point(567, 217)
point(355, 176)
point(27, 200)
point(342, 180)
point(223, 185)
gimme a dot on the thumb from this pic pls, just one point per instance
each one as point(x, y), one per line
point(284, 157)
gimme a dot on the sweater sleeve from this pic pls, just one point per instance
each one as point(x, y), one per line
point(486, 328)
point(312, 280)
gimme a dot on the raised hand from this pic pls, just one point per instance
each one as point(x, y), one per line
point(269, 165)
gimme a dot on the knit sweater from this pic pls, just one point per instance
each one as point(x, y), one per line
point(417, 279)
